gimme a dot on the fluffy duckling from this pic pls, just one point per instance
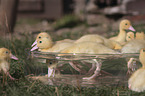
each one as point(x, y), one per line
point(92, 47)
point(133, 45)
point(5, 55)
point(46, 45)
point(137, 80)
point(41, 35)
point(130, 36)
point(99, 39)
point(46, 35)
point(124, 25)
point(140, 36)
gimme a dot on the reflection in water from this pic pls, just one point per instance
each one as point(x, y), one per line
point(114, 65)
point(76, 80)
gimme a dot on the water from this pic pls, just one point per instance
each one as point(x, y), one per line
point(115, 65)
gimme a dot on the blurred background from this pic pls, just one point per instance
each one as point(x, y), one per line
point(63, 16)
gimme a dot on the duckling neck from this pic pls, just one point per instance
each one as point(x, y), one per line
point(121, 36)
point(45, 50)
point(142, 60)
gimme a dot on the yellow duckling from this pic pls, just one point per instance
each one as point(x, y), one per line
point(137, 80)
point(140, 36)
point(41, 35)
point(99, 39)
point(88, 47)
point(124, 25)
point(46, 35)
point(130, 36)
point(46, 45)
point(133, 45)
point(5, 55)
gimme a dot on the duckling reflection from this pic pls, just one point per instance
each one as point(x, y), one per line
point(52, 64)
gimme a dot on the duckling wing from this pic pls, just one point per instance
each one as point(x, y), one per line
point(92, 37)
point(60, 46)
point(5, 66)
point(88, 47)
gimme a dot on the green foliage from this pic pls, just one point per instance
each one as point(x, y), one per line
point(67, 21)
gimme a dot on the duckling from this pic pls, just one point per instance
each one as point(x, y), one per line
point(5, 55)
point(134, 45)
point(46, 35)
point(41, 35)
point(140, 36)
point(46, 45)
point(99, 39)
point(65, 40)
point(137, 80)
point(88, 47)
point(124, 25)
point(130, 36)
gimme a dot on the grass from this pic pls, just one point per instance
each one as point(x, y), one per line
point(26, 65)
point(67, 21)
point(27, 87)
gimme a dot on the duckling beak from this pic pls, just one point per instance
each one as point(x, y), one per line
point(50, 71)
point(34, 43)
point(131, 28)
point(14, 57)
point(34, 48)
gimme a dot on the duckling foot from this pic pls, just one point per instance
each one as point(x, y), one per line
point(74, 66)
point(129, 86)
point(11, 77)
point(97, 71)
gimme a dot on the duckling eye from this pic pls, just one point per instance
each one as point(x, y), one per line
point(143, 50)
point(126, 24)
point(40, 41)
point(50, 63)
point(129, 37)
point(39, 37)
point(7, 52)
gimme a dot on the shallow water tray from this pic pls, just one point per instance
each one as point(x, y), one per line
point(113, 70)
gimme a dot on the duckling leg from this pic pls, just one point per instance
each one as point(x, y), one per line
point(50, 71)
point(96, 72)
point(7, 73)
point(74, 66)
point(92, 68)
point(53, 73)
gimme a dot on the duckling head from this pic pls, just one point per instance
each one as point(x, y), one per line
point(126, 25)
point(43, 43)
point(6, 54)
point(51, 63)
point(142, 57)
point(41, 35)
point(130, 36)
point(140, 35)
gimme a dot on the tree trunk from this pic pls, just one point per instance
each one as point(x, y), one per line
point(8, 9)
